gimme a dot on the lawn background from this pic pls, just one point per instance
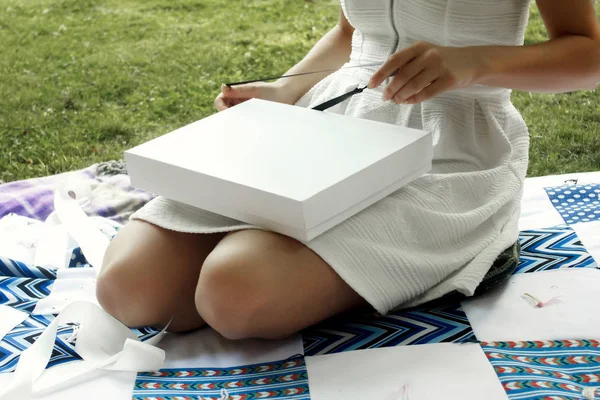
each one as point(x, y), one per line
point(83, 80)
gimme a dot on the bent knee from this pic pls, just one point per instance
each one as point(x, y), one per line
point(222, 299)
point(122, 294)
point(149, 275)
point(112, 293)
point(232, 298)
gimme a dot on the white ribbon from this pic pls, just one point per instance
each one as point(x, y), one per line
point(92, 242)
point(54, 246)
point(70, 285)
point(102, 341)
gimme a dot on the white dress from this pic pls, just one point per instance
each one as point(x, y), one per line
point(442, 232)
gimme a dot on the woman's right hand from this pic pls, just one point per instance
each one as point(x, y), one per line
point(234, 95)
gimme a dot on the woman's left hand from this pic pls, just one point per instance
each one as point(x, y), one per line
point(425, 70)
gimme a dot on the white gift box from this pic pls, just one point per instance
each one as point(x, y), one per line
point(289, 169)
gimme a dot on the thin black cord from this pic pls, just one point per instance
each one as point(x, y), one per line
point(300, 74)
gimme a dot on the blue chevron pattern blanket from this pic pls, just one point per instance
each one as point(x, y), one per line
point(522, 368)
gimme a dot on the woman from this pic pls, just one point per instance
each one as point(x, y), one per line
point(446, 66)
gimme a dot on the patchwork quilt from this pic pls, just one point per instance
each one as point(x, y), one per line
point(560, 229)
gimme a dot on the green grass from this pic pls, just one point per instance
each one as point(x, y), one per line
point(83, 80)
point(564, 128)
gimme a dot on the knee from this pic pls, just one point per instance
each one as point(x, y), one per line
point(119, 293)
point(111, 293)
point(230, 298)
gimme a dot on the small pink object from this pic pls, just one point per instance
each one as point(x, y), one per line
point(537, 302)
point(402, 394)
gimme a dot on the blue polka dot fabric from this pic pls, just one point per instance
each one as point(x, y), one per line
point(78, 259)
point(576, 203)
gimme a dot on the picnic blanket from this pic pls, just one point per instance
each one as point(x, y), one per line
point(441, 347)
point(110, 193)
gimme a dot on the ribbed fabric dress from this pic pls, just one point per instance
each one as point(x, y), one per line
point(442, 232)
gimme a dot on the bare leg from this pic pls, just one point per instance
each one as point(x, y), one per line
point(261, 284)
point(150, 274)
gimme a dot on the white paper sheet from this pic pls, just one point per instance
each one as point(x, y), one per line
point(207, 349)
point(589, 234)
point(97, 385)
point(504, 315)
point(102, 341)
point(9, 318)
point(537, 210)
point(71, 285)
point(438, 371)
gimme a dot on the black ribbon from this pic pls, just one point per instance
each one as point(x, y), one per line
point(323, 106)
point(336, 100)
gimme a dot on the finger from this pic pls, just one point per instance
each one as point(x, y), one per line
point(417, 84)
point(394, 63)
point(241, 91)
point(405, 75)
point(220, 103)
point(235, 102)
point(436, 88)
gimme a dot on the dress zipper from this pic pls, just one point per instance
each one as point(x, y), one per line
point(393, 24)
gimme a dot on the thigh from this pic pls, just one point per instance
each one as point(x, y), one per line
point(150, 274)
point(261, 284)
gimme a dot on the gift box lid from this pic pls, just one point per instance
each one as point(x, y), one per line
point(281, 166)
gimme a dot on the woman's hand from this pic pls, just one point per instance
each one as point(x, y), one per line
point(234, 95)
point(425, 70)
